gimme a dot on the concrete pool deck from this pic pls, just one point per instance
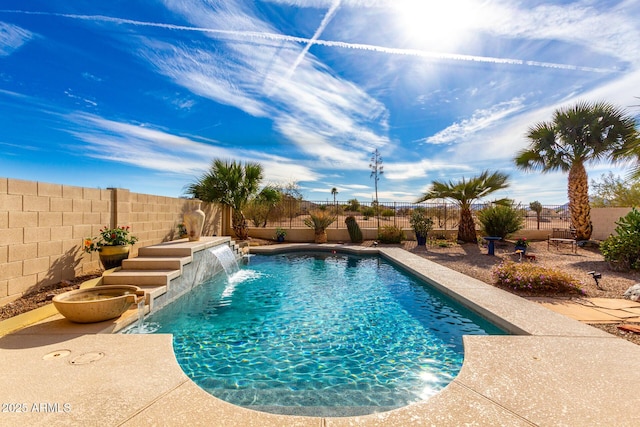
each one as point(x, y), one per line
point(556, 371)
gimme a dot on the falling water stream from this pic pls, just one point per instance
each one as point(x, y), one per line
point(226, 258)
point(140, 315)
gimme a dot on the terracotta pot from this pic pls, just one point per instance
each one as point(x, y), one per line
point(112, 256)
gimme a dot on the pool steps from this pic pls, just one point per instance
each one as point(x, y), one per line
point(157, 266)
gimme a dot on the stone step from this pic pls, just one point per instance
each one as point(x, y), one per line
point(165, 251)
point(155, 266)
point(141, 277)
point(181, 247)
point(155, 263)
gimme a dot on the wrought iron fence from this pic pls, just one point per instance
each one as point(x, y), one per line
point(292, 213)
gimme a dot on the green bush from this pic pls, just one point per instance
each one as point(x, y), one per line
point(526, 276)
point(387, 213)
point(368, 212)
point(391, 234)
point(500, 220)
point(353, 205)
point(420, 222)
point(622, 249)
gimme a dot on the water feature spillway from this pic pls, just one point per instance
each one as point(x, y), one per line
point(226, 258)
point(172, 269)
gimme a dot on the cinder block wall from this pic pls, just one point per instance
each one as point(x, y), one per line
point(42, 228)
point(604, 221)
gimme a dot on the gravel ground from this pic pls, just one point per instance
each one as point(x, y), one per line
point(43, 296)
point(470, 259)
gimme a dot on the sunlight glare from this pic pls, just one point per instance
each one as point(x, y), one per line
point(438, 25)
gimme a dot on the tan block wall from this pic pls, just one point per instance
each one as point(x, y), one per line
point(604, 221)
point(42, 227)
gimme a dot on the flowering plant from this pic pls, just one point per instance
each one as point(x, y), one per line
point(522, 241)
point(109, 237)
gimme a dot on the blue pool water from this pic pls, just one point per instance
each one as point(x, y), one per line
point(318, 334)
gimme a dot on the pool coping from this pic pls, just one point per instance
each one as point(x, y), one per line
point(553, 371)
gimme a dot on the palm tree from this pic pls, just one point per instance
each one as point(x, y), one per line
point(334, 193)
point(577, 135)
point(232, 184)
point(464, 193)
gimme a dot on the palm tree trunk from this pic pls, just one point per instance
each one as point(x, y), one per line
point(239, 225)
point(579, 201)
point(467, 227)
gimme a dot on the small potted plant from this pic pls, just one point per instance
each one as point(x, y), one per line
point(182, 230)
point(421, 225)
point(280, 234)
point(522, 244)
point(113, 245)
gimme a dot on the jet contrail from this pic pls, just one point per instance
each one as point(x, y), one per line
point(320, 42)
point(325, 21)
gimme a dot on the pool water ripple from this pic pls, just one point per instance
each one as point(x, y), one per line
point(322, 330)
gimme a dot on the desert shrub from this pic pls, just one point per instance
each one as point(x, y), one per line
point(353, 205)
point(500, 220)
point(440, 242)
point(622, 249)
point(368, 212)
point(387, 213)
point(391, 234)
point(257, 213)
point(526, 276)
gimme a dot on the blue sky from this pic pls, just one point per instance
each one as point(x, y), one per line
point(144, 94)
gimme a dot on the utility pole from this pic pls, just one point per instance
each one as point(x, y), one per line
point(376, 171)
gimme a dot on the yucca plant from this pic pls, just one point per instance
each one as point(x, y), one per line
point(319, 221)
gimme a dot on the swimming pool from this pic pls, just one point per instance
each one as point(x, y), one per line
point(318, 334)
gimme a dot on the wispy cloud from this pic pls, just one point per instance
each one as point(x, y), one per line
point(401, 171)
point(480, 120)
point(143, 146)
point(325, 21)
point(208, 74)
point(12, 38)
point(578, 22)
point(323, 114)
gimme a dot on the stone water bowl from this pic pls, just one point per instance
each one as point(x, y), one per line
point(97, 304)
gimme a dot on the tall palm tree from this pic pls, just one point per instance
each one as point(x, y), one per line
point(334, 193)
point(464, 193)
point(232, 184)
point(577, 135)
